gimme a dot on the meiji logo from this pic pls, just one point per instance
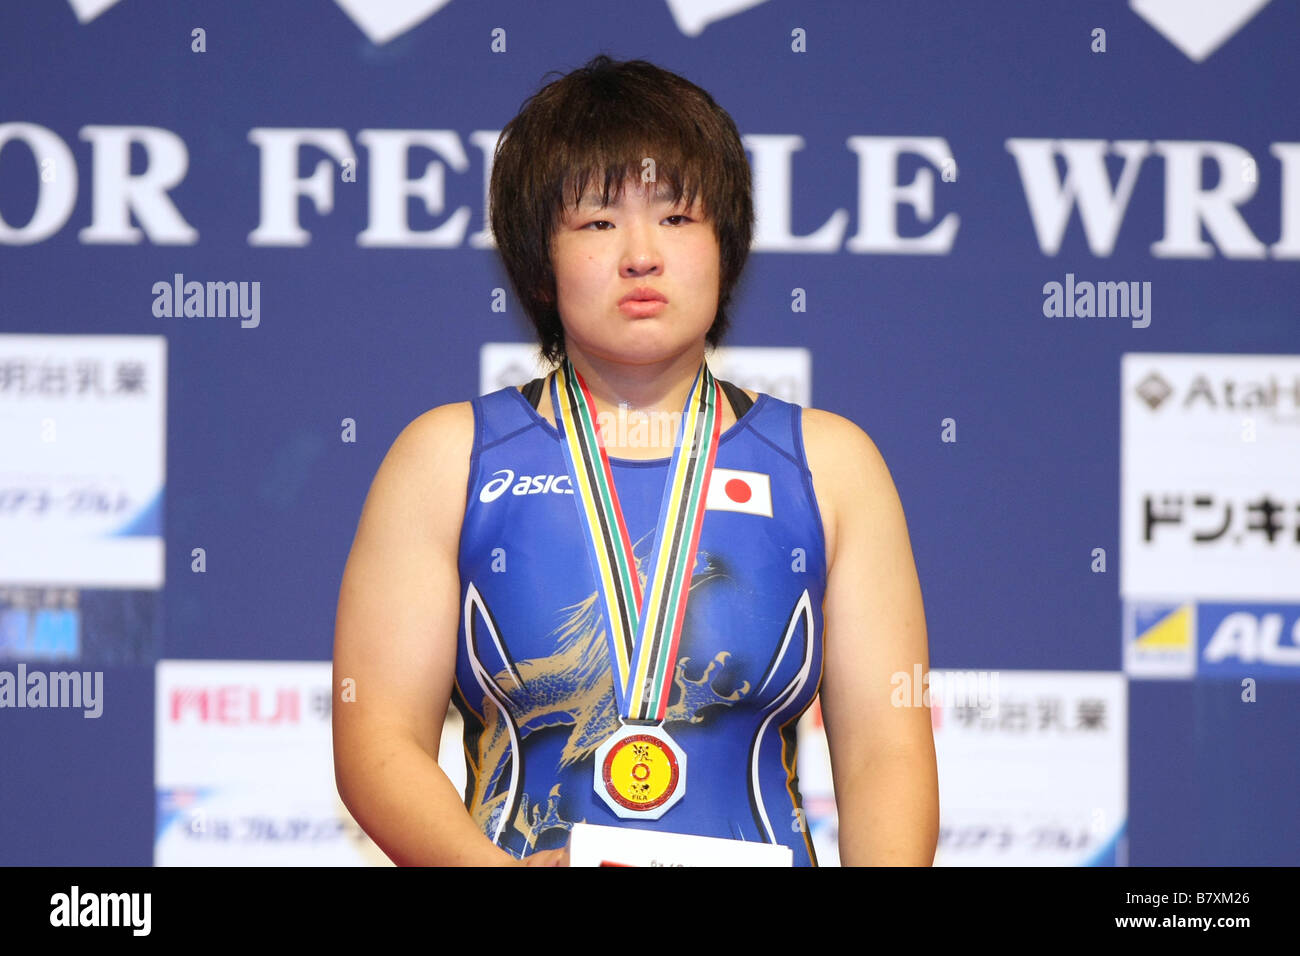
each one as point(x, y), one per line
point(526, 485)
point(236, 705)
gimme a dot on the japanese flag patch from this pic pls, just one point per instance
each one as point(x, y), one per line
point(749, 492)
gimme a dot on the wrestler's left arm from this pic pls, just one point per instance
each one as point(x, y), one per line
point(882, 756)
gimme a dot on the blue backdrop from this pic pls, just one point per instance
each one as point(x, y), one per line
point(1003, 522)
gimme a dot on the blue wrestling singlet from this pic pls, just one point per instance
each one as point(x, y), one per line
point(533, 673)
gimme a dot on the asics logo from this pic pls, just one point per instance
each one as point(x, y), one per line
point(526, 485)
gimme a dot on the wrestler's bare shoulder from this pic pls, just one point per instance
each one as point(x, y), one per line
point(443, 424)
point(822, 428)
point(444, 435)
point(426, 469)
point(846, 467)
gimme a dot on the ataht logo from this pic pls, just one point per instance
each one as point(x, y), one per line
point(1154, 390)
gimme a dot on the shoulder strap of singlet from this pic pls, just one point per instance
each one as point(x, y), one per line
point(740, 402)
point(533, 391)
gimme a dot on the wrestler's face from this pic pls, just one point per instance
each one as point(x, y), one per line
point(642, 240)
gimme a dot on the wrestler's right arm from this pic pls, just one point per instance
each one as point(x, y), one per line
point(395, 641)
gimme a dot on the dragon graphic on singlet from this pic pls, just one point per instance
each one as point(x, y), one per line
point(574, 687)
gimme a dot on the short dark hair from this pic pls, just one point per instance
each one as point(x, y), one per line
point(597, 124)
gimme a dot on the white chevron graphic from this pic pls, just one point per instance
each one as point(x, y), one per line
point(386, 20)
point(87, 10)
point(1197, 27)
point(693, 16)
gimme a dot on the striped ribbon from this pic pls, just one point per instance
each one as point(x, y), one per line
point(643, 625)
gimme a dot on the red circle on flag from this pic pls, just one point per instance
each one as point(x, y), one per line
point(738, 490)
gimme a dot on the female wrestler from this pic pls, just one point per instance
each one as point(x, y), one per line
point(630, 578)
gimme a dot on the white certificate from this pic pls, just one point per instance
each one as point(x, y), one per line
point(591, 845)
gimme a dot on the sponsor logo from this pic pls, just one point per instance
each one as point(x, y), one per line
point(1232, 394)
point(1249, 640)
point(235, 705)
point(525, 485)
point(1208, 465)
point(198, 825)
point(1154, 390)
point(1159, 639)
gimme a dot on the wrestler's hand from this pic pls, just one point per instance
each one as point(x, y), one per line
point(558, 857)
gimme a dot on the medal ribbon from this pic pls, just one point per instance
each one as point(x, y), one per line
point(643, 629)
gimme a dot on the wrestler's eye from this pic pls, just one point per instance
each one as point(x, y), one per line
point(682, 217)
